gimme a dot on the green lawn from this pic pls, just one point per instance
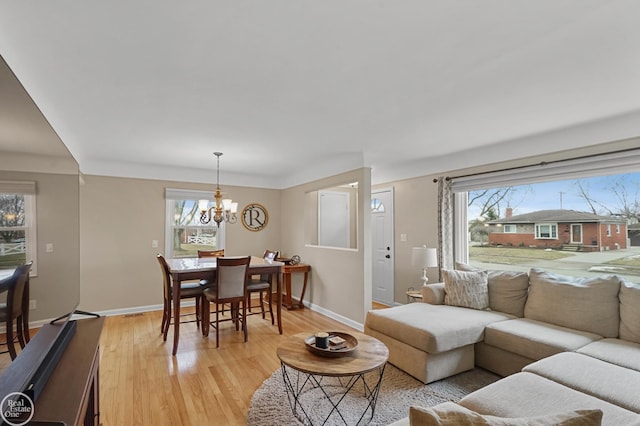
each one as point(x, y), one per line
point(513, 256)
point(12, 260)
point(627, 261)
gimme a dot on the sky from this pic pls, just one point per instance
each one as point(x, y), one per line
point(565, 195)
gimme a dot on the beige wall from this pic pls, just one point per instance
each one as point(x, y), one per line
point(340, 278)
point(416, 215)
point(56, 288)
point(121, 217)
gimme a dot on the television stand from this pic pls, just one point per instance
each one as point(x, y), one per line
point(71, 395)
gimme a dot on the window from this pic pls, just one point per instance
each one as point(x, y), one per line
point(509, 229)
point(18, 243)
point(547, 230)
point(560, 209)
point(184, 234)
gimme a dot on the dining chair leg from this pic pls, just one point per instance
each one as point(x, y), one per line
point(19, 326)
point(10, 340)
point(270, 298)
point(198, 312)
point(167, 323)
point(244, 321)
point(217, 325)
point(262, 303)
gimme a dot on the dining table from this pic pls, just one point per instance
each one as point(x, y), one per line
point(194, 268)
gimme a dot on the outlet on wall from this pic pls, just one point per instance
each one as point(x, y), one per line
point(32, 304)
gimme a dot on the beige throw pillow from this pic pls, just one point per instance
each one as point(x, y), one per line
point(452, 414)
point(466, 289)
point(507, 289)
point(586, 304)
point(629, 312)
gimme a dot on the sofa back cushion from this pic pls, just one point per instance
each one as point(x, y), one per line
point(507, 290)
point(630, 311)
point(467, 289)
point(587, 304)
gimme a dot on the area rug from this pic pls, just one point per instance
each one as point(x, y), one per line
point(270, 405)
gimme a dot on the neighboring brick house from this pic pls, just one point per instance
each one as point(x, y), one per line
point(559, 229)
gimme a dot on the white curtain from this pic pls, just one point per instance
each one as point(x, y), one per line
point(445, 224)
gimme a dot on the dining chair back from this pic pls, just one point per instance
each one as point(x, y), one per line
point(261, 285)
point(14, 309)
point(211, 253)
point(231, 287)
point(189, 290)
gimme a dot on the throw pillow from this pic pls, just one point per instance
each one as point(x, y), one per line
point(507, 289)
point(452, 414)
point(629, 313)
point(467, 289)
point(586, 304)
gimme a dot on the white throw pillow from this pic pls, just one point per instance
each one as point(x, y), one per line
point(467, 289)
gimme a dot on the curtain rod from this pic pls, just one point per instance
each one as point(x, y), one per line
point(542, 163)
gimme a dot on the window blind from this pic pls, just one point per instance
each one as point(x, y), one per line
point(187, 194)
point(597, 165)
point(18, 187)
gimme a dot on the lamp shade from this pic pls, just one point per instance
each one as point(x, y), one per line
point(424, 257)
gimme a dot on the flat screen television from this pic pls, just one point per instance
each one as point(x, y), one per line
point(55, 282)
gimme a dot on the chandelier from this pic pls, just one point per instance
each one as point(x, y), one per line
point(223, 209)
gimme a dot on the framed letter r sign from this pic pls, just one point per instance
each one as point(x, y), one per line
point(255, 217)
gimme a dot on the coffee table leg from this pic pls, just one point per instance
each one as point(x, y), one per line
point(297, 383)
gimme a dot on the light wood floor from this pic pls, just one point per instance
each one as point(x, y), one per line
point(142, 384)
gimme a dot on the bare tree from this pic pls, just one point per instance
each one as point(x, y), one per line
point(625, 191)
point(11, 215)
point(491, 202)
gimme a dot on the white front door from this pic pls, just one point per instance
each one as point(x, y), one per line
point(382, 226)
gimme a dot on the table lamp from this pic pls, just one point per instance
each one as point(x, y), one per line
point(424, 258)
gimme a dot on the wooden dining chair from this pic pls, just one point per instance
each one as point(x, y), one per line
point(209, 253)
point(231, 287)
point(13, 310)
point(261, 285)
point(188, 290)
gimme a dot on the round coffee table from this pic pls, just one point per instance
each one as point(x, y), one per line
point(332, 389)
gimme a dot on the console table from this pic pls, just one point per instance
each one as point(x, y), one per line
point(287, 271)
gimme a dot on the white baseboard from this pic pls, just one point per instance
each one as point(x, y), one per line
point(337, 317)
point(140, 309)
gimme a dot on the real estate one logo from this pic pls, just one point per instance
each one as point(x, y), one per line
point(16, 409)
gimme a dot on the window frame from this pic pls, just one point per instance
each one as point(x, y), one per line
point(28, 191)
point(510, 226)
point(171, 196)
point(552, 235)
point(618, 162)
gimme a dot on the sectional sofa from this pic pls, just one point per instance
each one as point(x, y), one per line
point(561, 343)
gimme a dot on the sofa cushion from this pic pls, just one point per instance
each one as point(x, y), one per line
point(507, 289)
point(527, 394)
point(467, 289)
point(587, 304)
point(616, 351)
point(629, 311)
point(535, 339)
point(609, 382)
point(452, 414)
point(432, 328)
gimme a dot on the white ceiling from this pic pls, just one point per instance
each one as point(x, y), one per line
point(294, 90)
